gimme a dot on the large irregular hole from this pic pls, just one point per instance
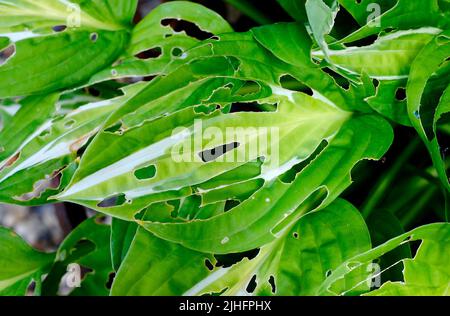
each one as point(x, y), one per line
point(251, 286)
point(48, 183)
point(290, 175)
point(366, 41)
point(145, 173)
point(272, 284)
point(290, 83)
point(340, 80)
point(228, 260)
point(214, 153)
point(154, 52)
point(191, 29)
point(253, 107)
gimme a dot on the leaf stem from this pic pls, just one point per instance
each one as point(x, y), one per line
point(386, 180)
point(418, 208)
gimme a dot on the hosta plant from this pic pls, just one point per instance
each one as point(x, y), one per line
point(292, 202)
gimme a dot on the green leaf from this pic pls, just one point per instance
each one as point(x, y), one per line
point(39, 60)
point(426, 274)
point(19, 263)
point(318, 244)
point(322, 241)
point(157, 267)
point(404, 15)
point(160, 38)
point(280, 204)
point(39, 162)
point(388, 58)
point(88, 245)
point(122, 234)
point(33, 113)
point(315, 120)
point(294, 48)
point(321, 21)
point(100, 14)
point(427, 87)
point(383, 225)
point(297, 262)
point(389, 101)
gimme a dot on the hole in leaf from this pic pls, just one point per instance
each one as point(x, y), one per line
point(191, 29)
point(290, 83)
point(116, 128)
point(400, 94)
point(85, 271)
point(228, 260)
point(390, 30)
point(344, 83)
point(230, 204)
point(94, 92)
point(69, 124)
point(414, 244)
point(115, 200)
point(154, 52)
point(145, 173)
point(51, 182)
point(290, 175)
point(59, 28)
point(110, 281)
point(253, 107)
point(272, 284)
point(366, 41)
point(376, 83)
point(295, 235)
point(252, 285)
point(177, 52)
point(209, 265)
point(214, 153)
point(44, 133)
point(93, 37)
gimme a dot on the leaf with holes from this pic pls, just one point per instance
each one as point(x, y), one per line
point(20, 264)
